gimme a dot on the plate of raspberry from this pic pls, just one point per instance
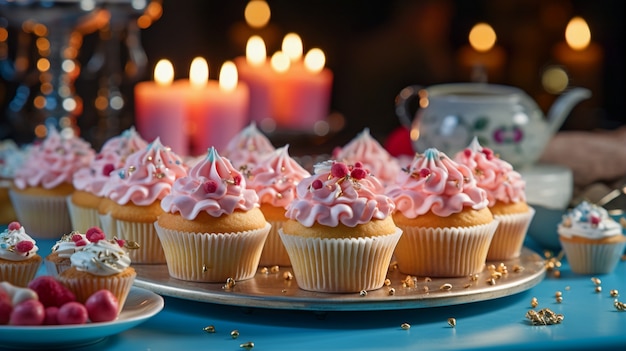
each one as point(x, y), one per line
point(141, 304)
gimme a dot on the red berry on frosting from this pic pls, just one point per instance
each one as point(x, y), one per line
point(14, 226)
point(120, 242)
point(77, 237)
point(595, 220)
point(488, 153)
point(358, 173)
point(237, 180)
point(24, 246)
point(210, 186)
point(95, 234)
point(358, 164)
point(317, 184)
point(339, 170)
point(107, 169)
point(424, 172)
point(467, 152)
point(81, 242)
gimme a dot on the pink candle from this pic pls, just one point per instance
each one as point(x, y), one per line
point(221, 110)
point(160, 109)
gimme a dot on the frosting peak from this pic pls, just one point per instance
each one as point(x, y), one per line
point(589, 221)
point(103, 258)
point(15, 244)
point(339, 193)
point(248, 147)
point(434, 182)
point(214, 186)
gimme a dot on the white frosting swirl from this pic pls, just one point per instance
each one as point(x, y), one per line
point(588, 221)
point(9, 238)
point(103, 258)
point(66, 246)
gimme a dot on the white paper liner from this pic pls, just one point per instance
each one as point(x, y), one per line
point(508, 239)
point(83, 288)
point(150, 250)
point(54, 269)
point(43, 217)
point(212, 257)
point(444, 252)
point(585, 258)
point(340, 265)
point(274, 252)
point(108, 224)
point(82, 218)
point(19, 273)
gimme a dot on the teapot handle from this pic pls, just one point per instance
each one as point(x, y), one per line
point(404, 97)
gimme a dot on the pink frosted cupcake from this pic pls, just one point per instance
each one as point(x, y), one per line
point(365, 149)
point(444, 215)
point(507, 199)
point(593, 241)
point(248, 147)
point(89, 181)
point(212, 228)
point(19, 260)
point(42, 184)
point(340, 235)
point(133, 198)
point(275, 179)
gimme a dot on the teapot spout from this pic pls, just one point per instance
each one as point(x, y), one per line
point(563, 105)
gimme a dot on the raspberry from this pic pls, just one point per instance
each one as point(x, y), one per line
point(339, 170)
point(51, 292)
point(95, 234)
point(107, 169)
point(76, 237)
point(15, 226)
point(24, 246)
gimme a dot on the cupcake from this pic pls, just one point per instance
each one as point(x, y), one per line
point(103, 264)
point(275, 179)
point(248, 147)
point(212, 228)
point(133, 198)
point(44, 181)
point(339, 234)
point(367, 150)
point(19, 260)
point(447, 224)
point(58, 260)
point(89, 181)
point(507, 199)
point(11, 158)
point(593, 241)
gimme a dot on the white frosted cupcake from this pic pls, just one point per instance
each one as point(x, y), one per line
point(19, 260)
point(212, 228)
point(11, 159)
point(340, 235)
point(593, 241)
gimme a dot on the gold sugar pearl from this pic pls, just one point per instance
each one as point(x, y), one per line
point(264, 270)
point(405, 326)
point(392, 291)
point(620, 306)
point(209, 329)
point(491, 281)
point(558, 294)
point(425, 289)
point(556, 274)
point(534, 303)
point(559, 299)
point(452, 322)
point(596, 281)
point(446, 287)
point(287, 276)
point(598, 289)
point(387, 282)
point(234, 334)
point(275, 269)
point(247, 345)
point(363, 293)
point(428, 280)
point(230, 283)
point(474, 277)
point(518, 268)
point(614, 292)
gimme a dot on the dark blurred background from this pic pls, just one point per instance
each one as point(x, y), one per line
point(374, 48)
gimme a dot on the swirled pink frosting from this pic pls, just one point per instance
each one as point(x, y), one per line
point(493, 174)
point(147, 176)
point(434, 182)
point(112, 156)
point(367, 150)
point(214, 186)
point(54, 161)
point(339, 193)
point(248, 147)
point(275, 178)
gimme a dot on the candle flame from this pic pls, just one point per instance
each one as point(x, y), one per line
point(255, 51)
point(292, 46)
point(164, 72)
point(577, 34)
point(482, 37)
point(280, 62)
point(228, 76)
point(198, 72)
point(314, 60)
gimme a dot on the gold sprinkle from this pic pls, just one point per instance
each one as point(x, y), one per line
point(387, 282)
point(425, 289)
point(533, 302)
point(363, 293)
point(265, 270)
point(620, 306)
point(287, 275)
point(558, 294)
point(567, 288)
point(544, 317)
point(275, 269)
point(131, 169)
point(393, 266)
point(247, 345)
point(491, 281)
point(405, 326)
point(491, 267)
point(496, 275)
point(230, 283)
point(446, 287)
point(474, 277)
point(596, 280)
point(204, 268)
point(428, 280)
point(518, 268)
point(209, 329)
point(598, 289)
point(559, 299)
point(234, 334)
point(391, 291)
point(614, 292)
point(556, 274)
point(452, 322)
point(467, 285)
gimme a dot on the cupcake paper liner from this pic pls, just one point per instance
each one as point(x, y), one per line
point(509, 237)
point(82, 218)
point(444, 252)
point(340, 265)
point(83, 286)
point(45, 217)
point(586, 258)
point(56, 268)
point(19, 273)
point(150, 250)
point(274, 252)
point(108, 224)
point(212, 257)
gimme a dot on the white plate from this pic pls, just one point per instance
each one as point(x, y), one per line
point(140, 305)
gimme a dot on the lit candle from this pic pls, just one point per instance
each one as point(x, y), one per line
point(301, 95)
point(195, 89)
point(160, 109)
point(255, 71)
point(482, 60)
point(223, 110)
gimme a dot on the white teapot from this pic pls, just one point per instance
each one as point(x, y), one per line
point(503, 118)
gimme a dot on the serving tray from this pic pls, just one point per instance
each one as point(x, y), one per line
point(270, 289)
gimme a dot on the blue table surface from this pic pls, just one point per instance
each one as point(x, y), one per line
point(590, 322)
